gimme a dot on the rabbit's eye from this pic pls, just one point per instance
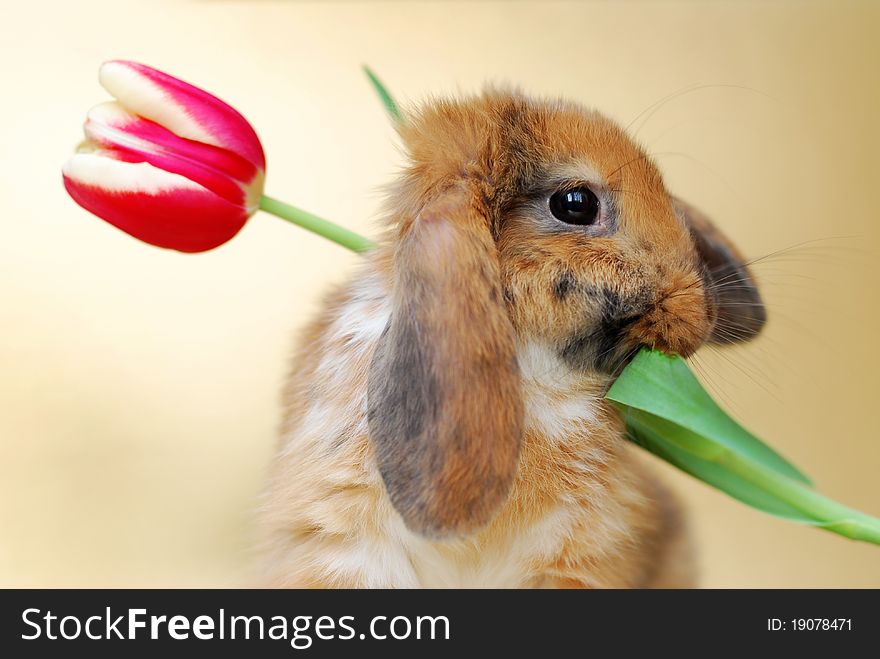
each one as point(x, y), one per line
point(575, 206)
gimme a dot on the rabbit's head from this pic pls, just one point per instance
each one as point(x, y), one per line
point(516, 222)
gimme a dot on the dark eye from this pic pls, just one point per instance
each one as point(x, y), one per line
point(575, 206)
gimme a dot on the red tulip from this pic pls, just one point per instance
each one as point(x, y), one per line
point(166, 162)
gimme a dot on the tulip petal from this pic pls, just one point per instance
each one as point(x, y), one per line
point(159, 207)
point(185, 110)
point(121, 132)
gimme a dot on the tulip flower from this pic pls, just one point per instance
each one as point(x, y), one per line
point(174, 166)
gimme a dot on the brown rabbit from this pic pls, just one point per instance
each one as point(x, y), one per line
point(445, 422)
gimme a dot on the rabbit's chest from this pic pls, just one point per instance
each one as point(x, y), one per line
point(507, 560)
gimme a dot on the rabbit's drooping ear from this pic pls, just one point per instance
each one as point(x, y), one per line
point(740, 310)
point(445, 406)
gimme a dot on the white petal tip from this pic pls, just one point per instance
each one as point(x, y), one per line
point(100, 171)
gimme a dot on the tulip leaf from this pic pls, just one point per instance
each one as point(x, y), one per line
point(385, 96)
point(749, 481)
point(665, 387)
point(670, 442)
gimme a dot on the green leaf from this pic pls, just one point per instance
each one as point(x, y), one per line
point(665, 440)
point(668, 413)
point(665, 387)
point(385, 96)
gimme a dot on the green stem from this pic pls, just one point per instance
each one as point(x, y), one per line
point(340, 235)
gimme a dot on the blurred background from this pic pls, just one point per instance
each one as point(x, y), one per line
point(139, 388)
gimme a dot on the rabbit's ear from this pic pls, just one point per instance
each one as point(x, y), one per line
point(740, 310)
point(445, 406)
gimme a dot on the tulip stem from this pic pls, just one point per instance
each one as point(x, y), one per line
point(340, 235)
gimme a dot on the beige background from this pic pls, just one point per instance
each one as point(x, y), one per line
point(139, 388)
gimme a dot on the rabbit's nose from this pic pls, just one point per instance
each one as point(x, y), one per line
point(679, 322)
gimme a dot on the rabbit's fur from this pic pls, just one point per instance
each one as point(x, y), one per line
point(444, 420)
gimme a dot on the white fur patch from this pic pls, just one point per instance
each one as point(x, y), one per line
point(555, 401)
point(358, 326)
point(504, 564)
point(362, 321)
point(371, 564)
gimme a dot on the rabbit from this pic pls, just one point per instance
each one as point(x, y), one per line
point(444, 421)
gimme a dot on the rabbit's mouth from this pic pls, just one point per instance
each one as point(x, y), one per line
point(622, 362)
point(607, 349)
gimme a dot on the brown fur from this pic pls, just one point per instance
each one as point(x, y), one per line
point(445, 422)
